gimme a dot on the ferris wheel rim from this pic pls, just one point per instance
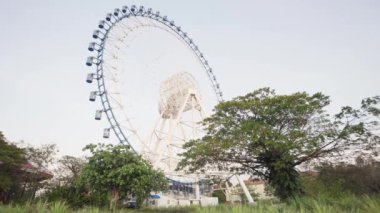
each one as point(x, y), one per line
point(105, 27)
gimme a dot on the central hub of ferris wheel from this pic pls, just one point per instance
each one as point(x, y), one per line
point(175, 95)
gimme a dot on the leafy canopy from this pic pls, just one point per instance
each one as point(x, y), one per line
point(268, 135)
point(11, 157)
point(115, 169)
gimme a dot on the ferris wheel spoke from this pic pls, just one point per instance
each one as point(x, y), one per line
point(177, 145)
point(163, 134)
point(136, 19)
point(120, 36)
point(112, 76)
point(112, 79)
point(187, 124)
point(118, 102)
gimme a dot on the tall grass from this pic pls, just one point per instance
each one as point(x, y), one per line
point(59, 207)
point(317, 204)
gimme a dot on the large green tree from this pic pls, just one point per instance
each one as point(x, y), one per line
point(121, 173)
point(11, 157)
point(269, 135)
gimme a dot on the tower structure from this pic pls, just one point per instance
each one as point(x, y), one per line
point(180, 114)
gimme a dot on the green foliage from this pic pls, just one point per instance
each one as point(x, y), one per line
point(11, 157)
point(121, 173)
point(59, 207)
point(313, 186)
point(220, 195)
point(361, 178)
point(348, 203)
point(65, 187)
point(75, 196)
point(17, 185)
point(268, 135)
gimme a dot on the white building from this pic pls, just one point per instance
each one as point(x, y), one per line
point(165, 201)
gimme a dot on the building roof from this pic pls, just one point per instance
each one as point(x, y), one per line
point(28, 170)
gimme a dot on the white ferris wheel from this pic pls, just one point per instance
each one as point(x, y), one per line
point(154, 84)
point(150, 78)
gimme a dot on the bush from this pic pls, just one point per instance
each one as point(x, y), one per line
point(361, 178)
point(313, 186)
point(75, 197)
point(220, 195)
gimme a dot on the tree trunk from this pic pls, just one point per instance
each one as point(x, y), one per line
point(285, 181)
point(114, 198)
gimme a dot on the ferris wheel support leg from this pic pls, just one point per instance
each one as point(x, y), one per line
point(169, 145)
point(180, 126)
point(158, 146)
point(196, 102)
point(197, 190)
point(201, 111)
point(175, 124)
point(148, 147)
point(159, 133)
point(228, 191)
point(193, 124)
point(245, 189)
point(170, 136)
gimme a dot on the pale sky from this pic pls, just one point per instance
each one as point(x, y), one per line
point(327, 46)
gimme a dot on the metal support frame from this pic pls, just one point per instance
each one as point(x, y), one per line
point(174, 123)
point(245, 189)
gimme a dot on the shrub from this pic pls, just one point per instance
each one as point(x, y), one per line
point(361, 178)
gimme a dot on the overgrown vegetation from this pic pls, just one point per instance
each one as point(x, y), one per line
point(11, 157)
point(112, 174)
point(116, 171)
point(346, 203)
point(269, 135)
point(361, 178)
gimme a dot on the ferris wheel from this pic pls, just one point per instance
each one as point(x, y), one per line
point(155, 86)
point(122, 76)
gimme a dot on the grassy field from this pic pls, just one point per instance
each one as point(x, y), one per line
point(347, 203)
